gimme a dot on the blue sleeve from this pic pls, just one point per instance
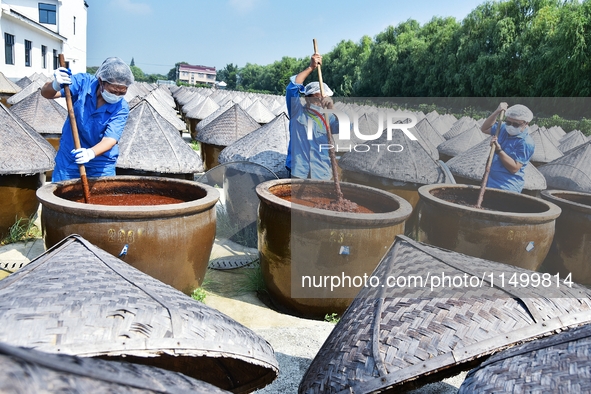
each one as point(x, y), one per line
point(292, 91)
point(117, 122)
point(78, 81)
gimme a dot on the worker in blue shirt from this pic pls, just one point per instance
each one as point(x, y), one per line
point(308, 158)
point(101, 115)
point(513, 147)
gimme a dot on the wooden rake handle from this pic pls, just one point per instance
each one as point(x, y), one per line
point(489, 163)
point(75, 136)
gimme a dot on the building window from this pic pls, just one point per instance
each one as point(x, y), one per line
point(47, 13)
point(28, 46)
point(8, 48)
point(44, 56)
point(74, 25)
point(55, 60)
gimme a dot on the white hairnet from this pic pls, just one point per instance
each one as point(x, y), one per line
point(314, 87)
point(114, 70)
point(519, 112)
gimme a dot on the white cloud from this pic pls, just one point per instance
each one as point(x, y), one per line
point(131, 7)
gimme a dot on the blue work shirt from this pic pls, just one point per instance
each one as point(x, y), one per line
point(519, 147)
point(93, 124)
point(307, 157)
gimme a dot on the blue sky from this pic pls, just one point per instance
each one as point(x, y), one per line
point(158, 33)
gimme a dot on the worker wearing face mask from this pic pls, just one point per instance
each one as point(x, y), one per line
point(513, 147)
point(101, 114)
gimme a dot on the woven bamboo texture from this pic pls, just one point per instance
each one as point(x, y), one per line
point(472, 163)
point(260, 113)
point(210, 118)
point(425, 129)
point(29, 371)
point(572, 140)
point(43, 115)
point(24, 151)
point(23, 82)
point(202, 109)
point(151, 143)
point(459, 127)
point(461, 142)
point(266, 146)
point(400, 337)
point(167, 112)
point(79, 300)
point(228, 128)
point(570, 172)
point(546, 150)
point(25, 92)
point(557, 364)
point(7, 86)
point(413, 164)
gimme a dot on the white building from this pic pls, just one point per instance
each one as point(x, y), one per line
point(34, 33)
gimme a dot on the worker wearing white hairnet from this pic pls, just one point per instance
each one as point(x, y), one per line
point(513, 147)
point(307, 156)
point(101, 115)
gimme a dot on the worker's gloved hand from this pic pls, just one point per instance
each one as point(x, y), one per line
point(61, 76)
point(82, 155)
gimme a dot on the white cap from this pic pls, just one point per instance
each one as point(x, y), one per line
point(519, 112)
point(314, 87)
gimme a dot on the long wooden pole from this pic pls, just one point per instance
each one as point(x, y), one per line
point(75, 136)
point(331, 153)
point(489, 163)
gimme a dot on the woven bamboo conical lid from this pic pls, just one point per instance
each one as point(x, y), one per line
point(459, 127)
point(570, 172)
point(406, 334)
point(80, 300)
point(24, 151)
point(545, 150)
point(461, 142)
point(260, 112)
point(29, 371)
point(7, 86)
point(150, 143)
point(266, 146)
point(571, 140)
point(556, 364)
point(43, 115)
point(228, 128)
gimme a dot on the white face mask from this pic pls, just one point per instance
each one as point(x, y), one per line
point(512, 130)
point(110, 97)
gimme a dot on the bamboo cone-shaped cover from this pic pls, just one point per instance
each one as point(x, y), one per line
point(29, 371)
point(545, 150)
point(7, 86)
point(459, 127)
point(151, 143)
point(411, 165)
point(24, 151)
point(472, 163)
point(572, 140)
point(203, 109)
point(570, 172)
point(260, 112)
point(228, 128)
point(77, 299)
point(164, 110)
point(25, 92)
point(461, 142)
point(557, 364)
point(23, 82)
point(266, 146)
point(402, 336)
point(43, 115)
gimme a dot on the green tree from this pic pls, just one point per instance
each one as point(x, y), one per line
point(228, 74)
point(132, 63)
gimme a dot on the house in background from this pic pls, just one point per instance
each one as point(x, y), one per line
point(35, 32)
point(196, 74)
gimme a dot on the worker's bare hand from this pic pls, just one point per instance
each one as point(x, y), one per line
point(315, 60)
point(502, 107)
point(327, 102)
point(494, 142)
